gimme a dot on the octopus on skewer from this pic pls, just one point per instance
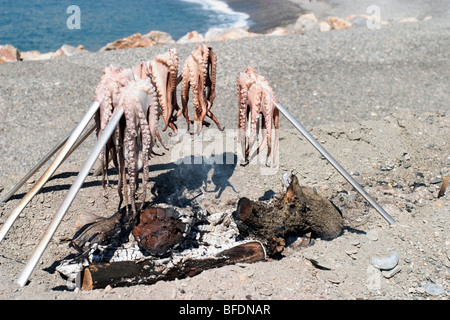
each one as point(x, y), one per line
point(199, 74)
point(163, 73)
point(106, 94)
point(140, 103)
point(256, 99)
point(144, 92)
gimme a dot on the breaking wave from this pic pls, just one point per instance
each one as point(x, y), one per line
point(222, 16)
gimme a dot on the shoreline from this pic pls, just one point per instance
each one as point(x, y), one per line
point(260, 21)
point(261, 13)
point(265, 16)
point(228, 14)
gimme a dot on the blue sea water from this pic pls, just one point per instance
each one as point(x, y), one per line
point(45, 25)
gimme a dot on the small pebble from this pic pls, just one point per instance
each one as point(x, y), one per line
point(351, 253)
point(372, 235)
point(390, 273)
point(385, 263)
point(107, 289)
point(433, 289)
point(438, 180)
point(319, 264)
point(333, 278)
point(243, 277)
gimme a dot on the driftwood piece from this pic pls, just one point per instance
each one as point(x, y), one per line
point(300, 210)
point(148, 271)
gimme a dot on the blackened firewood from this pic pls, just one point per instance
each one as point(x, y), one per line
point(156, 230)
point(300, 210)
point(103, 231)
point(149, 271)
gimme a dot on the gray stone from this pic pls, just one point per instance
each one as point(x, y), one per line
point(318, 263)
point(385, 263)
point(434, 289)
point(372, 235)
point(390, 273)
point(306, 23)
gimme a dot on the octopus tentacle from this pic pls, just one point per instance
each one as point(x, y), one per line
point(199, 99)
point(214, 118)
point(152, 113)
point(242, 121)
point(276, 121)
point(164, 72)
point(245, 82)
point(146, 148)
point(267, 126)
point(185, 85)
point(255, 96)
point(130, 150)
point(213, 64)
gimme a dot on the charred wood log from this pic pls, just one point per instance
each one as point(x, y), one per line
point(149, 271)
point(110, 258)
point(102, 231)
point(300, 210)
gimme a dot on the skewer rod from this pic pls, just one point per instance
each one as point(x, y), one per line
point(61, 156)
point(35, 169)
point(335, 164)
point(93, 156)
point(19, 184)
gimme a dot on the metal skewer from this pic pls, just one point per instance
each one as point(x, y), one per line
point(47, 157)
point(93, 156)
point(62, 155)
point(335, 164)
point(35, 169)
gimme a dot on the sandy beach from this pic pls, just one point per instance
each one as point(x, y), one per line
point(266, 14)
point(377, 100)
point(389, 10)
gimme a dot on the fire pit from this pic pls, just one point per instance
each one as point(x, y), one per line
point(167, 242)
